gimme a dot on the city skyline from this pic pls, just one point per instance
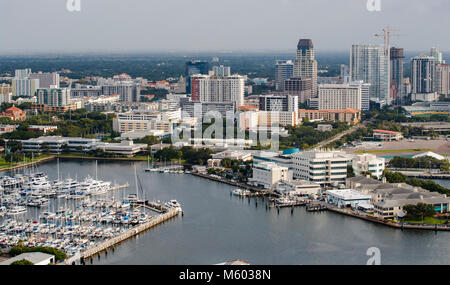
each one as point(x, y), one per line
point(173, 26)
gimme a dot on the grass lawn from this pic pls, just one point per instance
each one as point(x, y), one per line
point(6, 164)
point(392, 150)
point(427, 220)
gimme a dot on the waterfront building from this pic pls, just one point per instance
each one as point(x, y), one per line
point(56, 143)
point(284, 69)
point(390, 198)
point(233, 155)
point(385, 135)
point(368, 163)
point(370, 64)
point(323, 167)
point(305, 65)
point(297, 187)
point(37, 258)
point(126, 147)
point(339, 97)
point(351, 116)
point(348, 197)
point(267, 174)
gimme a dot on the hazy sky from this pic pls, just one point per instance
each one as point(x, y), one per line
point(217, 25)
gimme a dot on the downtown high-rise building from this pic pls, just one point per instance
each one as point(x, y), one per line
point(195, 67)
point(300, 87)
point(128, 91)
point(434, 52)
point(442, 81)
point(284, 69)
point(53, 97)
point(305, 65)
point(370, 64)
point(423, 74)
point(397, 59)
point(23, 85)
point(280, 103)
point(339, 96)
point(46, 79)
point(213, 88)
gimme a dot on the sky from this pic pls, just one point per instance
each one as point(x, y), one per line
point(28, 26)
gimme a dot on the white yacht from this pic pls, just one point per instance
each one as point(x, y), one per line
point(173, 204)
point(17, 210)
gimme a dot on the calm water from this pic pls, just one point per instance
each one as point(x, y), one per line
point(217, 227)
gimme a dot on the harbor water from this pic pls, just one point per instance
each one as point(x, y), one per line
point(218, 227)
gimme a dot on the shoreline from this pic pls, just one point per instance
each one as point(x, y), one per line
point(401, 226)
point(38, 161)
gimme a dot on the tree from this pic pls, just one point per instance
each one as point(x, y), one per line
point(421, 210)
point(22, 262)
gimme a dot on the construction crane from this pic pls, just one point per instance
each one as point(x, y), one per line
point(387, 34)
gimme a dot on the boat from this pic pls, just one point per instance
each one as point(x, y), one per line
point(18, 210)
point(173, 204)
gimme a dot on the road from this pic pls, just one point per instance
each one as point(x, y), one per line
point(339, 136)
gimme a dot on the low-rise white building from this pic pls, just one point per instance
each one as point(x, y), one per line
point(37, 258)
point(267, 174)
point(347, 197)
point(368, 163)
point(298, 187)
point(127, 148)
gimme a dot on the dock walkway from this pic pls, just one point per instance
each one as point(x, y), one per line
point(130, 233)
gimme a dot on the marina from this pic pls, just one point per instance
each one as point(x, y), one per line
point(77, 217)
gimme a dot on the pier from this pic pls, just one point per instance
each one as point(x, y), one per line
point(255, 191)
point(128, 234)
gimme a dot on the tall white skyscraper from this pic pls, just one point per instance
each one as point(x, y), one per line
point(305, 65)
point(437, 55)
point(23, 85)
point(370, 64)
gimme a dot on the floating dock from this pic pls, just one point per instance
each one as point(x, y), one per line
point(129, 233)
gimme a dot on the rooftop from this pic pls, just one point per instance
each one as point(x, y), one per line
point(34, 257)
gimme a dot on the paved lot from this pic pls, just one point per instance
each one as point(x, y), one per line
point(441, 146)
